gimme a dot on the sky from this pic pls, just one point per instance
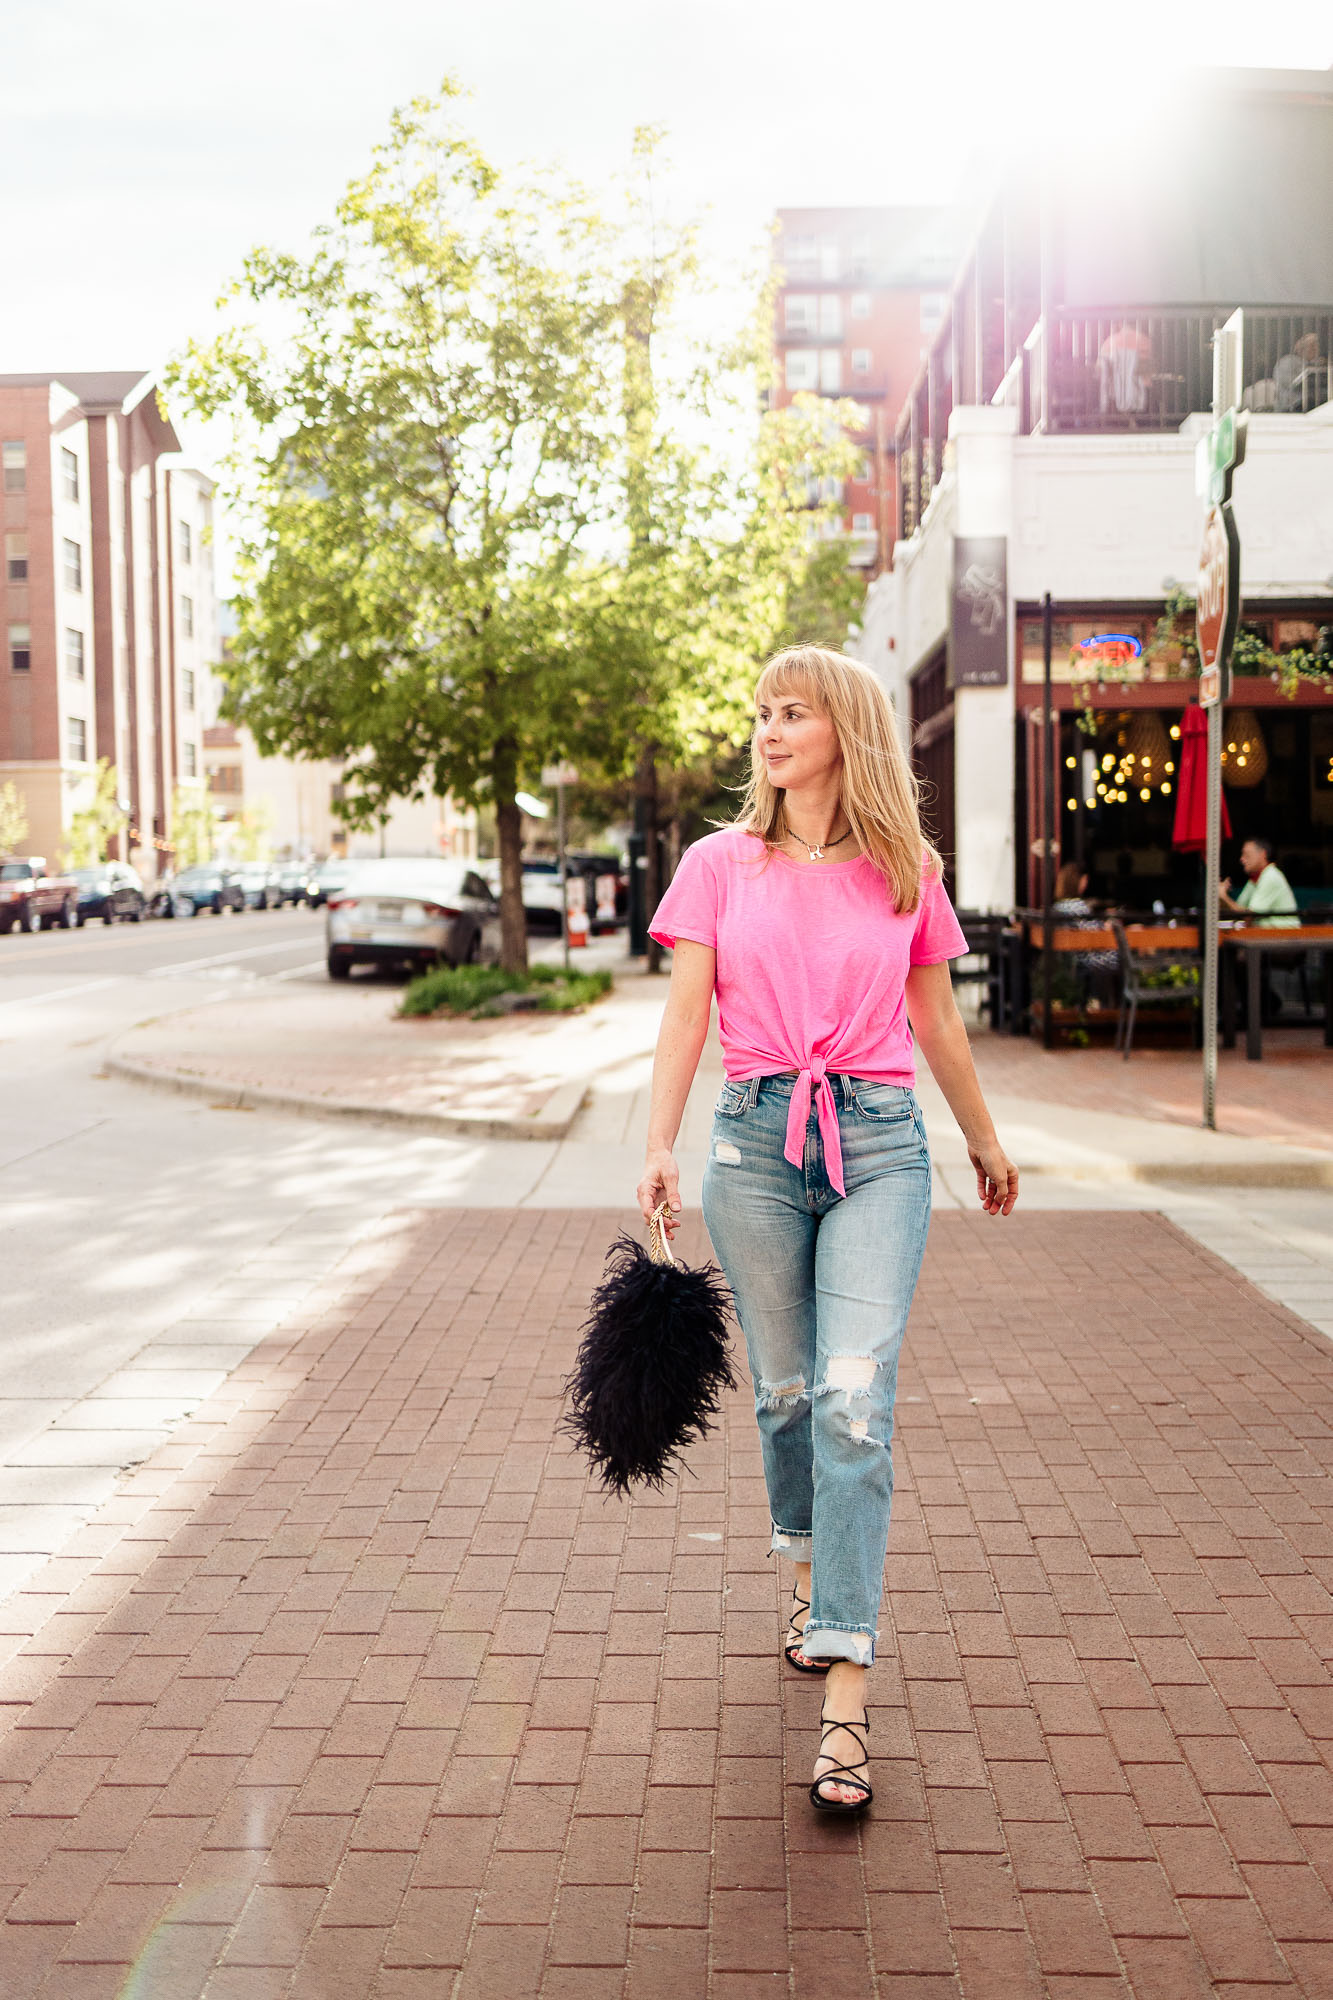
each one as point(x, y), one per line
point(145, 146)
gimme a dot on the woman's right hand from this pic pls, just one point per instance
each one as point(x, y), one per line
point(661, 1182)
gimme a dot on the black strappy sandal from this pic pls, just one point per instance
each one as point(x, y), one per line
point(843, 1774)
point(793, 1646)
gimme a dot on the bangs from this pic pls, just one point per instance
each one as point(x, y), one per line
point(790, 678)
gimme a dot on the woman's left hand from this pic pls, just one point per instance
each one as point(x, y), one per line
point(997, 1178)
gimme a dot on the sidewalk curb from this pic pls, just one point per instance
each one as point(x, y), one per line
point(1258, 1173)
point(552, 1122)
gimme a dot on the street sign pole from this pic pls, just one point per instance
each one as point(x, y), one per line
point(1217, 615)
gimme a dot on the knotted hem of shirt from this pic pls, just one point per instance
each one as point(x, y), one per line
point(814, 1081)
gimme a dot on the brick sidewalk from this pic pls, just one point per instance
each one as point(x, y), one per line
point(359, 1682)
point(1288, 1096)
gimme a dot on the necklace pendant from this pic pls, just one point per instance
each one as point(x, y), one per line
point(816, 854)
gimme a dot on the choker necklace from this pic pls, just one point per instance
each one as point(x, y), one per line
point(816, 852)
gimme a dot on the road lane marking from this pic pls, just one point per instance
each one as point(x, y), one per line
point(222, 958)
point(61, 992)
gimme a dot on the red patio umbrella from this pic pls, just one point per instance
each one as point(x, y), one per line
point(1190, 830)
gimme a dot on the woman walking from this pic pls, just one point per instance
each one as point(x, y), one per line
point(820, 921)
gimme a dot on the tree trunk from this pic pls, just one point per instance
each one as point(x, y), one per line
point(509, 831)
point(645, 805)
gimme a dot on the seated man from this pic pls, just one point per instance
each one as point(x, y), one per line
point(1265, 896)
point(1300, 379)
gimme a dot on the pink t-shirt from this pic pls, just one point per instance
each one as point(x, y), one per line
point(812, 964)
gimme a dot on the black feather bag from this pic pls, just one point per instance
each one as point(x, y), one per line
point(652, 1364)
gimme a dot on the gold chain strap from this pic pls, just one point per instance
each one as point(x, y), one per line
point(659, 1245)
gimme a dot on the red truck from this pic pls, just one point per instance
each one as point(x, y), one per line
point(32, 899)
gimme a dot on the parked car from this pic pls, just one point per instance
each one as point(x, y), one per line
point(110, 892)
point(259, 880)
point(542, 900)
point(414, 913)
point(206, 887)
point(295, 880)
point(31, 899)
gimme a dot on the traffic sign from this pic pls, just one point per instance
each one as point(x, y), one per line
point(560, 774)
point(1218, 609)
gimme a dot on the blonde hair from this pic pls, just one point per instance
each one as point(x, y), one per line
point(880, 793)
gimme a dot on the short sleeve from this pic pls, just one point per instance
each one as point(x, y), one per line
point(938, 934)
point(689, 907)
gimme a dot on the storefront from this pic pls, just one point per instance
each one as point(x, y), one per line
point(1118, 690)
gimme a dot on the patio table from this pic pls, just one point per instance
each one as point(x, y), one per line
point(1254, 941)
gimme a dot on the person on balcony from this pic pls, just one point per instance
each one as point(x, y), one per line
point(1266, 895)
point(1124, 370)
point(1300, 379)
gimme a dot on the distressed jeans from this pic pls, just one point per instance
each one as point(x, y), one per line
point(823, 1285)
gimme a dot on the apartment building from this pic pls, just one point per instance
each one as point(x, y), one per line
point(1048, 445)
point(860, 294)
point(107, 604)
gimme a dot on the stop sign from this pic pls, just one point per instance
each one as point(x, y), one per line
point(1218, 608)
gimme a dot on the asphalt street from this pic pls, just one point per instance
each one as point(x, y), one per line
point(131, 1215)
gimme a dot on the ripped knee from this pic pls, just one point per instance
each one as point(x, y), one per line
point(781, 1395)
point(853, 1374)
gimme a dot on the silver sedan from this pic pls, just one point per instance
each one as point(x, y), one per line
point(411, 912)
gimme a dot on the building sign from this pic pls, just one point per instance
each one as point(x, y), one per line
point(1218, 609)
point(1111, 649)
point(979, 627)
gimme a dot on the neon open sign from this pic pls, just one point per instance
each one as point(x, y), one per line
point(1112, 649)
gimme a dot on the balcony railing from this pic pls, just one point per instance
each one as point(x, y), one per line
point(1113, 372)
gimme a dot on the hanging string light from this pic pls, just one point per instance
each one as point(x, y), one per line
point(1244, 752)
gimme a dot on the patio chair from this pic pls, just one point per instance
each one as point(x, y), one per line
point(1136, 969)
point(985, 945)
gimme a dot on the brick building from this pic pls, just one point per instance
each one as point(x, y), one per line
point(107, 604)
point(861, 293)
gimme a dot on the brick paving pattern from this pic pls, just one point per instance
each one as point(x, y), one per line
point(359, 1691)
point(1288, 1096)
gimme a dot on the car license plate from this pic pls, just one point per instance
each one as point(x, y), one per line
point(389, 913)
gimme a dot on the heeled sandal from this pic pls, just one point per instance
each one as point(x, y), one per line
point(843, 1774)
point(793, 1646)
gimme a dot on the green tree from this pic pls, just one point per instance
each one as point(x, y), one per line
point(482, 532)
point(193, 826)
point(13, 817)
point(423, 445)
point(92, 829)
point(252, 832)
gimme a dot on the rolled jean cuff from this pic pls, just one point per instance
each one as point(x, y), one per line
point(839, 1642)
point(797, 1544)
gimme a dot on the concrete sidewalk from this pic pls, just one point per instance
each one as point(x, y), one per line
point(357, 1691)
point(1080, 1115)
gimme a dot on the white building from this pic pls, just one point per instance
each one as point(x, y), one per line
point(1049, 446)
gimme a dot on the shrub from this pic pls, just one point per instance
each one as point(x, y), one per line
point(475, 989)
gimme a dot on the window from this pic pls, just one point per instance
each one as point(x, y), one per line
point(803, 369)
point(860, 305)
point(187, 617)
point(830, 315)
point(190, 760)
point(830, 369)
point(20, 649)
point(187, 687)
point(74, 661)
point(77, 739)
point(865, 471)
point(863, 524)
point(860, 361)
point(185, 537)
point(801, 312)
point(73, 566)
point(16, 558)
point(801, 253)
point(14, 454)
point(932, 310)
point(830, 263)
point(69, 474)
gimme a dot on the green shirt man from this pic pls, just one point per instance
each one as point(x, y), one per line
point(1265, 896)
